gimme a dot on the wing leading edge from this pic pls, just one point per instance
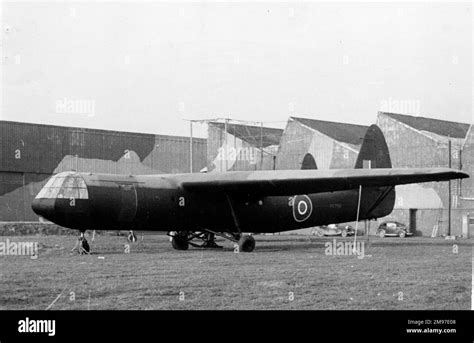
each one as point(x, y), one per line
point(290, 182)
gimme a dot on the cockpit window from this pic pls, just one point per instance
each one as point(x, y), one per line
point(64, 185)
point(57, 181)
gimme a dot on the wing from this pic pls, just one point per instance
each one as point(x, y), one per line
point(290, 182)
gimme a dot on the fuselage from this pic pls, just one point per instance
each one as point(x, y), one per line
point(158, 203)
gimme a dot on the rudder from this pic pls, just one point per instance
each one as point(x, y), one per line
point(374, 153)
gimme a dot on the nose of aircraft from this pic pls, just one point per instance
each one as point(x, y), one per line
point(63, 200)
point(43, 207)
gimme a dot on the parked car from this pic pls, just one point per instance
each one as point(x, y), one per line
point(333, 230)
point(392, 228)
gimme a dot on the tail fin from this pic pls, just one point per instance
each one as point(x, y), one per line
point(308, 162)
point(374, 150)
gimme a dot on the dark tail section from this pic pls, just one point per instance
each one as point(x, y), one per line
point(374, 154)
point(374, 150)
point(308, 162)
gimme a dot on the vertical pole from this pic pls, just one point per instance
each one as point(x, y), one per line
point(357, 219)
point(460, 168)
point(261, 145)
point(367, 229)
point(190, 146)
point(449, 189)
point(226, 124)
point(367, 222)
point(24, 197)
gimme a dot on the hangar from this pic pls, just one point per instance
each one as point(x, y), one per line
point(467, 186)
point(31, 153)
point(242, 147)
point(318, 144)
point(416, 142)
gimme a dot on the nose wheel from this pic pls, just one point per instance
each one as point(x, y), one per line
point(131, 236)
point(82, 246)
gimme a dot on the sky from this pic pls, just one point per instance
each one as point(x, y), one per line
point(147, 66)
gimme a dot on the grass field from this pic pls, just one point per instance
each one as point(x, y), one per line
point(284, 272)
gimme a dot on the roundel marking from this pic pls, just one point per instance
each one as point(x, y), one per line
point(302, 207)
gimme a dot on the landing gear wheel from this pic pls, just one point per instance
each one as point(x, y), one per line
point(179, 243)
point(246, 243)
point(131, 236)
point(84, 247)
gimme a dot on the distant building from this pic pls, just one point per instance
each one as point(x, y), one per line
point(418, 142)
point(31, 153)
point(467, 162)
point(242, 147)
point(318, 144)
point(467, 185)
point(413, 142)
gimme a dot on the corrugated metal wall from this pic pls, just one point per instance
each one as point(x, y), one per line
point(31, 153)
point(467, 157)
point(298, 140)
point(412, 149)
point(407, 149)
point(241, 155)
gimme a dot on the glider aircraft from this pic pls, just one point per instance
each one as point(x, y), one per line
point(195, 207)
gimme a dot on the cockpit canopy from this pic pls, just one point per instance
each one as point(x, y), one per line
point(64, 185)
